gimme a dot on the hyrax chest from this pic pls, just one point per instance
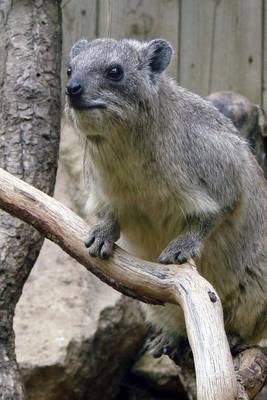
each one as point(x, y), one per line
point(149, 219)
point(149, 213)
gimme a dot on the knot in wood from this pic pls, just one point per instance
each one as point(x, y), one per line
point(212, 296)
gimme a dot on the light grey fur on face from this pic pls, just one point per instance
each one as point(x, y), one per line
point(172, 174)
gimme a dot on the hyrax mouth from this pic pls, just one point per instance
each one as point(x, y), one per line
point(80, 104)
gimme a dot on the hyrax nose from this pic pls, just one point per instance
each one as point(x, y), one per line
point(74, 89)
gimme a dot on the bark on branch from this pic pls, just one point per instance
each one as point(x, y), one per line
point(30, 60)
point(149, 282)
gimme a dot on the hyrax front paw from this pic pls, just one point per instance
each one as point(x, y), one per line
point(180, 250)
point(101, 239)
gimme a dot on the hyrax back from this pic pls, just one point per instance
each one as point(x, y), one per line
point(169, 173)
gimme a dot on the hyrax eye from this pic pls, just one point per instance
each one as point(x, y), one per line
point(114, 73)
point(69, 71)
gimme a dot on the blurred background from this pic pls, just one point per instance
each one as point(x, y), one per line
point(76, 338)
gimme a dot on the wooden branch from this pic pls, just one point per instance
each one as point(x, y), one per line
point(251, 371)
point(149, 282)
point(251, 367)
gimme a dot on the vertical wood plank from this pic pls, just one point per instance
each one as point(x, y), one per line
point(142, 19)
point(79, 19)
point(237, 50)
point(264, 64)
point(197, 28)
point(221, 46)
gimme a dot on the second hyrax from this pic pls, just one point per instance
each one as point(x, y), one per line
point(171, 176)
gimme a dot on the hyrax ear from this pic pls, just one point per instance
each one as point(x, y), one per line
point(79, 46)
point(158, 54)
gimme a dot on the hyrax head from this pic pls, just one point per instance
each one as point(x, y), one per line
point(109, 80)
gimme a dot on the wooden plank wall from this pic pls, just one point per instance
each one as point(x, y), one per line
point(219, 44)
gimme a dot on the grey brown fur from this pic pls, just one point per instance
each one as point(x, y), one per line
point(170, 173)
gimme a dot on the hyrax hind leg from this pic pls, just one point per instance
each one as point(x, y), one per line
point(170, 333)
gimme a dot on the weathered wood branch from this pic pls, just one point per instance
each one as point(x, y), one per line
point(251, 371)
point(149, 282)
point(251, 367)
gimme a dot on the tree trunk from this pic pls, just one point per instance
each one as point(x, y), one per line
point(30, 51)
